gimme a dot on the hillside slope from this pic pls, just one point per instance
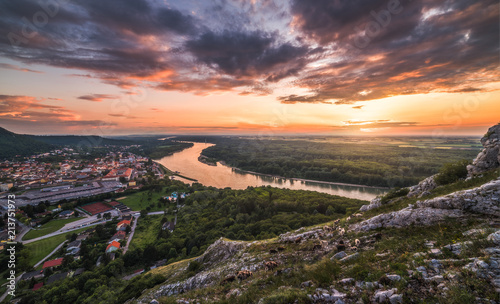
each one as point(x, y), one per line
point(444, 248)
point(12, 144)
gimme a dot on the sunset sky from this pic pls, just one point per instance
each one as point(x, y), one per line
point(333, 67)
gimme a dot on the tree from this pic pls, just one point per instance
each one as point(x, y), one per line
point(144, 213)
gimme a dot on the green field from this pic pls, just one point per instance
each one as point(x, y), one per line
point(49, 227)
point(40, 249)
point(141, 200)
point(146, 231)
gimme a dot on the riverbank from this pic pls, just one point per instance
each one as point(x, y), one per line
point(301, 179)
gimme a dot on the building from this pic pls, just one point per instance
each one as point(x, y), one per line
point(115, 174)
point(119, 236)
point(114, 246)
point(67, 213)
point(37, 286)
point(122, 225)
point(53, 263)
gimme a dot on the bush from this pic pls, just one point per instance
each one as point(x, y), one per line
point(394, 193)
point(452, 172)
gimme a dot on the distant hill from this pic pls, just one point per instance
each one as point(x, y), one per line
point(74, 140)
point(12, 144)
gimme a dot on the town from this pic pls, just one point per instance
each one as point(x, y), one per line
point(68, 203)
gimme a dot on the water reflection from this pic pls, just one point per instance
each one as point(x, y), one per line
point(220, 176)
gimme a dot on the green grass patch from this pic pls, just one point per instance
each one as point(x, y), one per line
point(146, 231)
point(48, 228)
point(144, 199)
point(40, 249)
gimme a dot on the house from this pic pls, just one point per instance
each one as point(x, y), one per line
point(37, 286)
point(115, 174)
point(37, 274)
point(122, 225)
point(74, 245)
point(120, 235)
point(113, 246)
point(67, 213)
point(53, 263)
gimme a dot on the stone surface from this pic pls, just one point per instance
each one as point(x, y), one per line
point(375, 203)
point(339, 255)
point(494, 237)
point(479, 200)
point(423, 187)
point(382, 296)
point(350, 257)
point(489, 157)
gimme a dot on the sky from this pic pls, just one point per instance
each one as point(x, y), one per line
point(330, 67)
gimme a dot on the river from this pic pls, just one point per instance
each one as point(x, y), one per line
point(221, 176)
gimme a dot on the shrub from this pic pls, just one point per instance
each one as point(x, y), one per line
point(394, 193)
point(452, 172)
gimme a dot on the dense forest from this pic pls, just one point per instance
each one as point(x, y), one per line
point(17, 145)
point(12, 145)
point(373, 164)
point(207, 214)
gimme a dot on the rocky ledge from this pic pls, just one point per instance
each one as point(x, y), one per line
point(481, 200)
point(489, 157)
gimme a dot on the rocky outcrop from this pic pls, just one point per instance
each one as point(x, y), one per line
point(220, 251)
point(375, 203)
point(423, 187)
point(489, 158)
point(481, 200)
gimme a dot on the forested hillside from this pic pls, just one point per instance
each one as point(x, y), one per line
point(12, 144)
point(366, 163)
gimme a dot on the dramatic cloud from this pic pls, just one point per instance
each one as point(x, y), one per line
point(98, 97)
point(339, 52)
point(15, 67)
point(421, 47)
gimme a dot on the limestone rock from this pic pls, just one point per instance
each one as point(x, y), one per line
point(375, 203)
point(489, 157)
point(220, 251)
point(339, 255)
point(424, 187)
point(494, 237)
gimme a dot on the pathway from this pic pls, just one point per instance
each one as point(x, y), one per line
point(50, 254)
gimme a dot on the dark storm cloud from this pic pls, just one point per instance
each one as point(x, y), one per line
point(341, 51)
point(427, 46)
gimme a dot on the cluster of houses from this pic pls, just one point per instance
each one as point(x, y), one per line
point(114, 243)
point(34, 172)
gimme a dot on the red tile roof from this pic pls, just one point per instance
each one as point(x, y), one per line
point(37, 286)
point(53, 263)
point(124, 222)
point(113, 244)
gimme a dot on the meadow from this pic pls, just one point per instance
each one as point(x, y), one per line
point(47, 228)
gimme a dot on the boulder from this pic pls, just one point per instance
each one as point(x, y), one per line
point(423, 188)
point(494, 237)
point(489, 157)
point(375, 203)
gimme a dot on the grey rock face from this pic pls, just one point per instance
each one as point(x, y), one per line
point(375, 203)
point(220, 251)
point(480, 200)
point(489, 157)
point(423, 188)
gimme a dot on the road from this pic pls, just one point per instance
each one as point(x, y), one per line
point(48, 256)
point(132, 231)
point(7, 291)
point(86, 222)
